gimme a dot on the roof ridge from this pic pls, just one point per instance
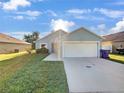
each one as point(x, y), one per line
point(10, 39)
point(87, 31)
point(115, 36)
point(51, 32)
point(114, 33)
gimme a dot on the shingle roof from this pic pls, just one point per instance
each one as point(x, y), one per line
point(116, 37)
point(53, 32)
point(8, 39)
point(85, 29)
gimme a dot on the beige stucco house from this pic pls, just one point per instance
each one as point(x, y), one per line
point(9, 44)
point(78, 43)
point(113, 41)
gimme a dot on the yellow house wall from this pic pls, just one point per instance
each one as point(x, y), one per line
point(10, 47)
point(114, 45)
point(106, 43)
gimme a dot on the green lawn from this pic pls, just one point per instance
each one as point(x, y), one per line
point(29, 74)
point(117, 58)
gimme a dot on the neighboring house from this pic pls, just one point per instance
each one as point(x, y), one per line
point(113, 41)
point(9, 44)
point(78, 43)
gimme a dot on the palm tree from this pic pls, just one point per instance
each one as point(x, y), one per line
point(31, 38)
point(27, 38)
point(35, 35)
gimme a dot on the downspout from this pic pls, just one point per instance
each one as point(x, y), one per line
point(59, 54)
point(98, 48)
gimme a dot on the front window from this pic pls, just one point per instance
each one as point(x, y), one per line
point(43, 46)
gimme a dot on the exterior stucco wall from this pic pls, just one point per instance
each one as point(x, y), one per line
point(10, 47)
point(82, 35)
point(44, 41)
point(50, 39)
point(56, 48)
point(112, 46)
point(107, 45)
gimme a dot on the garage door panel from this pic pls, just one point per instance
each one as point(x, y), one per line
point(71, 50)
point(90, 50)
point(80, 50)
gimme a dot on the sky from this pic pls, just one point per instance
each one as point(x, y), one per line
point(19, 17)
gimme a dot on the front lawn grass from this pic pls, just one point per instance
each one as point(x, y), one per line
point(9, 67)
point(36, 76)
point(117, 58)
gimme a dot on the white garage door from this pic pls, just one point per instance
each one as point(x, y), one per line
point(80, 50)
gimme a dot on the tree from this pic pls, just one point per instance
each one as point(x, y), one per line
point(27, 38)
point(31, 38)
point(35, 35)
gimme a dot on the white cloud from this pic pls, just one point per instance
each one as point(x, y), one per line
point(100, 29)
point(45, 34)
point(18, 34)
point(83, 14)
point(33, 13)
point(30, 18)
point(118, 3)
point(36, 0)
point(110, 13)
point(118, 27)
point(61, 24)
point(18, 17)
point(30, 13)
point(0, 4)
point(40, 0)
point(103, 30)
point(79, 11)
point(51, 13)
point(87, 17)
point(44, 23)
point(80, 17)
point(86, 13)
point(14, 4)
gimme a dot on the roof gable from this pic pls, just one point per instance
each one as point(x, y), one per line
point(82, 34)
point(116, 37)
point(52, 35)
point(8, 39)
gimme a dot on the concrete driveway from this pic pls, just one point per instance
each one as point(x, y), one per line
point(92, 75)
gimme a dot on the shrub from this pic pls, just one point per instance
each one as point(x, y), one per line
point(16, 50)
point(43, 50)
point(29, 51)
point(38, 51)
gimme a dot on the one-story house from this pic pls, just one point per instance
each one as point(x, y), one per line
point(10, 44)
point(113, 41)
point(78, 43)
